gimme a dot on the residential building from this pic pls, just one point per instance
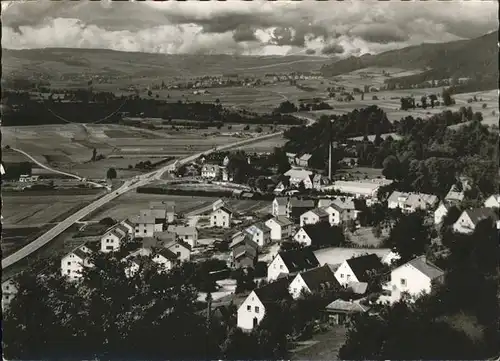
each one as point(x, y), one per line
point(221, 217)
point(244, 255)
point(281, 228)
point(145, 226)
point(9, 291)
point(186, 234)
point(279, 206)
point(335, 214)
point(296, 207)
point(340, 311)
point(165, 259)
point(312, 234)
point(441, 212)
point(180, 248)
point(217, 204)
point(414, 278)
point(493, 201)
point(359, 269)
point(210, 171)
point(312, 281)
point(469, 219)
point(129, 226)
point(456, 193)
point(259, 301)
point(112, 240)
point(225, 161)
point(300, 175)
point(73, 263)
point(291, 158)
point(163, 211)
point(227, 176)
point(291, 262)
point(304, 159)
point(260, 233)
point(313, 216)
point(410, 202)
point(319, 181)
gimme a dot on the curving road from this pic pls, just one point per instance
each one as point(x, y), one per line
point(127, 186)
point(55, 170)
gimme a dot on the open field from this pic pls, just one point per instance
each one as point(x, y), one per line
point(323, 346)
point(14, 238)
point(23, 209)
point(265, 146)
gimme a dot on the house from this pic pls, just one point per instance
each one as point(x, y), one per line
point(145, 226)
point(493, 201)
point(410, 202)
point(73, 263)
point(312, 281)
point(9, 290)
point(180, 248)
point(165, 259)
point(414, 278)
point(242, 238)
point(281, 228)
point(340, 312)
point(325, 202)
point(456, 193)
point(359, 269)
point(291, 158)
point(261, 300)
point(244, 255)
point(304, 160)
point(279, 206)
point(335, 214)
point(260, 233)
point(186, 234)
point(225, 161)
point(221, 217)
point(313, 216)
point(299, 175)
point(441, 212)
point(112, 240)
point(291, 262)
point(227, 176)
point(126, 224)
point(210, 171)
point(318, 181)
point(312, 234)
point(163, 211)
point(296, 207)
point(217, 204)
point(469, 219)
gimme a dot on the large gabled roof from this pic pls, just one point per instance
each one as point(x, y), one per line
point(168, 254)
point(318, 278)
point(317, 232)
point(299, 259)
point(275, 291)
point(347, 306)
point(301, 203)
point(427, 268)
point(363, 265)
point(478, 214)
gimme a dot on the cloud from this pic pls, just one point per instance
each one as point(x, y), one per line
point(243, 27)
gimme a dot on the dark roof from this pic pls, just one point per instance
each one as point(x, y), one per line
point(319, 278)
point(478, 214)
point(361, 266)
point(166, 253)
point(242, 238)
point(299, 259)
point(317, 232)
point(225, 209)
point(301, 203)
point(169, 245)
point(275, 291)
point(149, 242)
point(81, 254)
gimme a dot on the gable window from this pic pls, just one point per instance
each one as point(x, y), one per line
point(69, 263)
point(256, 309)
point(281, 266)
point(403, 282)
point(341, 275)
point(249, 308)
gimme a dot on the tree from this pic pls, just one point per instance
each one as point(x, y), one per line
point(111, 173)
point(484, 106)
point(258, 129)
point(302, 187)
point(424, 101)
point(107, 221)
point(433, 99)
point(150, 93)
point(286, 107)
point(447, 99)
point(392, 168)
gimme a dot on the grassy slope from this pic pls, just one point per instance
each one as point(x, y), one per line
point(459, 58)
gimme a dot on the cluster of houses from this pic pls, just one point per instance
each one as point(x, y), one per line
point(214, 171)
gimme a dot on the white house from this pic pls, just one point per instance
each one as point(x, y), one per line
point(165, 259)
point(112, 240)
point(359, 269)
point(281, 228)
point(252, 310)
point(260, 233)
point(457, 194)
point(441, 212)
point(414, 277)
point(304, 159)
point(493, 201)
point(126, 224)
point(300, 175)
point(469, 219)
point(186, 234)
point(319, 181)
point(410, 202)
point(162, 211)
point(221, 217)
point(313, 280)
point(302, 237)
point(73, 263)
point(279, 206)
point(313, 216)
point(335, 214)
point(146, 225)
point(210, 171)
point(291, 262)
point(9, 291)
point(180, 248)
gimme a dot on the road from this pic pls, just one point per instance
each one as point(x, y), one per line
point(129, 185)
point(55, 170)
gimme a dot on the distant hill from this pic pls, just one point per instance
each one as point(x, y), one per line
point(464, 58)
point(56, 62)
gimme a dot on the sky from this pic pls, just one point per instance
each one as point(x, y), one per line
point(327, 28)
